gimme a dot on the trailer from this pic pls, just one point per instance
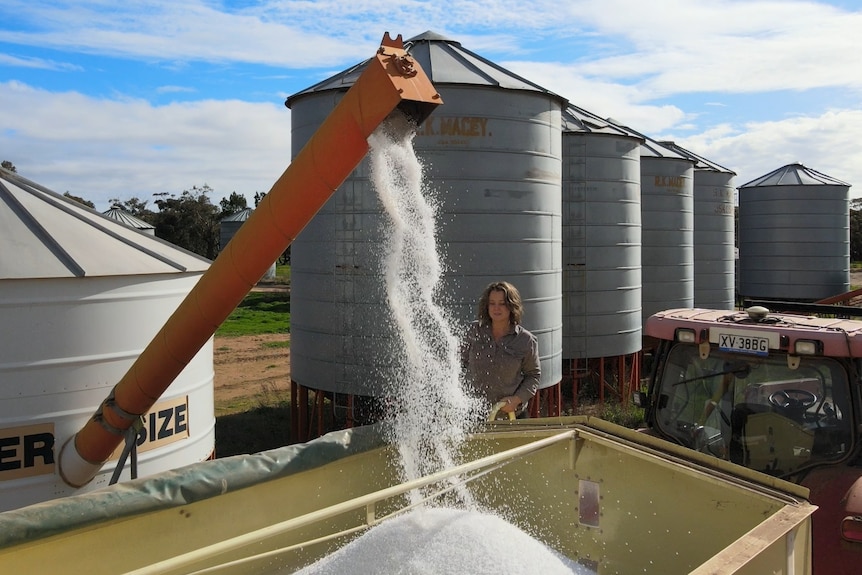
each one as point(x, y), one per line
point(608, 498)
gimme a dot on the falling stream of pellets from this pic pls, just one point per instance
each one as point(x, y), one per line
point(433, 411)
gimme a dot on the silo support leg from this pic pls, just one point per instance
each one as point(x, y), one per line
point(302, 408)
point(294, 411)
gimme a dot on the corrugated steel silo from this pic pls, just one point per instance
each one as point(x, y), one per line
point(125, 217)
point(794, 235)
point(229, 225)
point(601, 237)
point(492, 154)
point(81, 296)
point(667, 220)
point(714, 254)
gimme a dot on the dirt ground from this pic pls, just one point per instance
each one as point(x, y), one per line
point(245, 365)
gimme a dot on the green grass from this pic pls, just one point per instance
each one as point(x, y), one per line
point(282, 273)
point(627, 415)
point(259, 312)
point(260, 421)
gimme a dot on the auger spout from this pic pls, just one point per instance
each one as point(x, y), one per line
point(392, 80)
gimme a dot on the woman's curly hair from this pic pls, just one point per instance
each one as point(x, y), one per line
point(513, 302)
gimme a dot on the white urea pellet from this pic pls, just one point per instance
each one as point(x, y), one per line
point(443, 541)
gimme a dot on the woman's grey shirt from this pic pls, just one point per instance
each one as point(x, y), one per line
point(497, 370)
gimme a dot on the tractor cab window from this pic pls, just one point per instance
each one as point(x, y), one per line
point(756, 411)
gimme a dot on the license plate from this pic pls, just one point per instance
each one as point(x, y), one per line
point(744, 341)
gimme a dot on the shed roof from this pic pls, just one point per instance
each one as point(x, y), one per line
point(46, 235)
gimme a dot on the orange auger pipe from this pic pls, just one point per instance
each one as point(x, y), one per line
point(391, 80)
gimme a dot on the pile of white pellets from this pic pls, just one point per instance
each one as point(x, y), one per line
point(443, 541)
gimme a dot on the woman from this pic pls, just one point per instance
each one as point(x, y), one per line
point(501, 358)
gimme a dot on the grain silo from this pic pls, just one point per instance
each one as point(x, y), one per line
point(229, 225)
point(601, 237)
point(794, 235)
point(81, 295)
point(128, 219)
point(714, 253)
point(492, 155)
point(602, 331)
point(667, 219)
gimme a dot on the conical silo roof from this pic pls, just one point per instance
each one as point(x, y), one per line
point(240, 216)
point(794, 175)
point(444, 61)
point(651, 148)
point(125, 217)
point(576, 119)
point(700, 163)
point(46, 235)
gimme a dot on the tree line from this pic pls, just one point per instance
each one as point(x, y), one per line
point(189, 220)
point(856, 230)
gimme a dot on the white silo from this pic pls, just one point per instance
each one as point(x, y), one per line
point(81, 295)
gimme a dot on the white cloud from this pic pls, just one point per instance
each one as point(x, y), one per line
point(174, 89)
point(37, 63)
point(175, 31)
point(103, 149)
point(677, 45)
point(828, 143)
point(728, 46)
point(625, 104)
point(617, 58)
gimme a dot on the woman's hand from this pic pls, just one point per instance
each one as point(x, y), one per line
point(511, 403)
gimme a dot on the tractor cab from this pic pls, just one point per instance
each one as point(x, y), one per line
point(776, 393)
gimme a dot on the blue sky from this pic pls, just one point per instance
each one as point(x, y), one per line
point(114, 100)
